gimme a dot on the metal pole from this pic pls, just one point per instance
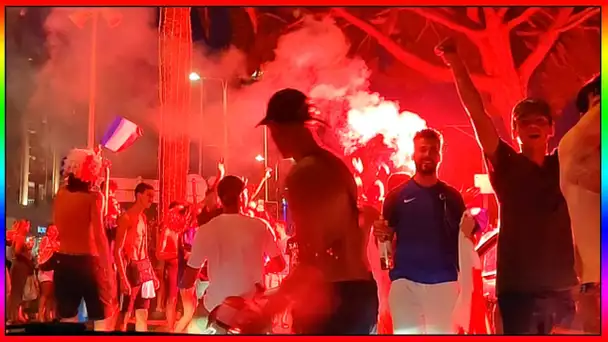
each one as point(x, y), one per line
point(225, 116)
point(56, 170)
point(201, 122)
point(266, 162)
point(92, 81)
point(25, 165)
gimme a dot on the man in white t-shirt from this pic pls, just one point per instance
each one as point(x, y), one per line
point(580, 179)
point(235, 247)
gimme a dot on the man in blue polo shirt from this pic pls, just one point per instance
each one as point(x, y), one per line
point(424, 215)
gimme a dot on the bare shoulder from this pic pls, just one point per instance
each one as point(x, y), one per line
point(320, 172)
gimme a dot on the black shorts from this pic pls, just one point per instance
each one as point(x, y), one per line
point(354, 311)
point(171, 275)
point(139, 303)
point(79, 277)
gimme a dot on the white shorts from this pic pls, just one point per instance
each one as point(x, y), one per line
point(45, 276)
point(421, 308)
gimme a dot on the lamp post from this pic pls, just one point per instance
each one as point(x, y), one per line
point(195, 77)
point(80, 17)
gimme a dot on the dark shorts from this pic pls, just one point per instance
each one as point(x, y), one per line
point(354, 311)
point(536, 313)
point(79, 277)
point(171, 275)
point(138, 302)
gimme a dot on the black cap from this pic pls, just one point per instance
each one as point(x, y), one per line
point(593, 86)
point(531, 106)
point(288, 106)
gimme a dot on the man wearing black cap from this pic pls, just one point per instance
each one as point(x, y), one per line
point(535, 261)
point(332, 288)
point(580, 174)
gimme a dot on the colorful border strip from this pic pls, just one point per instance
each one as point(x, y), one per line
point(604, 154)
point(3, 150)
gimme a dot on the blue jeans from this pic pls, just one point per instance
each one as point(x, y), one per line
point(536, 313)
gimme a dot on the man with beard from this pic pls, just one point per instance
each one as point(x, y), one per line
point(331, 288)
point(424, 214)
point(580, 178)
point(137, 277)
point(535, 260)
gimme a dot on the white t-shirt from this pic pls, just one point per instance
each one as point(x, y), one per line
point(579, 158)
point(235, 247)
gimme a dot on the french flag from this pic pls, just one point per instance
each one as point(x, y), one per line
point(121, 134)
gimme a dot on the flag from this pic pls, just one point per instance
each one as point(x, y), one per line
point(469, 312)
point(121, 134)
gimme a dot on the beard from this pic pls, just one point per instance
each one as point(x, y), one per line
point(426, 169)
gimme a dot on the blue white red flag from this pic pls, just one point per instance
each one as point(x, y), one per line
point(121, 134)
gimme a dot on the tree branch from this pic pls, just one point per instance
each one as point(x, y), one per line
point(545, 43)
point(445, 21)
point(579, 18)
point(502, 11)
point(406, 57)
point(473, 14)
point(253, 17)
point(525, 16)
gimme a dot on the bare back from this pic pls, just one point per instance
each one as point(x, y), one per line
point(323, 199)
point(72, 214)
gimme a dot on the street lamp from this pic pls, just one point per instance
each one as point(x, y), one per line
point(195, 77)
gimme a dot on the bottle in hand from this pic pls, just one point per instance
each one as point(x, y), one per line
point(386, 260)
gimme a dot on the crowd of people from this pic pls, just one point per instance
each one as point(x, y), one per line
point(327, 274)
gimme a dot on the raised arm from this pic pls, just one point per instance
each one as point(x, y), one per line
point(471, 99)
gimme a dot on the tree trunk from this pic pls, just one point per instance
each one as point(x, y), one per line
point(497, 59)
point(175, 55)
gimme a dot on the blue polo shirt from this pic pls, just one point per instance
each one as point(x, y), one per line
point(426, 221)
